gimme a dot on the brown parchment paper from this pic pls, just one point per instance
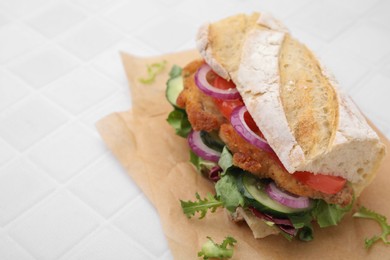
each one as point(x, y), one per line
point(158, 161)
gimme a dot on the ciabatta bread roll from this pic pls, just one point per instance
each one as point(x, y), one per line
point(296, 102)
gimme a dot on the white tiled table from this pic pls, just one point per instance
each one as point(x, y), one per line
point(62, 194)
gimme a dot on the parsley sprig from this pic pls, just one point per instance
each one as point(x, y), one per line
point(201, 206)
point(380, 219)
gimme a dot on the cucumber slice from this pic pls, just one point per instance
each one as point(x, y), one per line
point(256, 189)
point(212, 140)
point(242, 188)
point(174, 87)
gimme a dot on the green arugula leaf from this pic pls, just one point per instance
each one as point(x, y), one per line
point(380, 219)
point(229, 193)
point(178, 119)
point(210, 249)
point(152, 71)
point(175, 71)
point(201, 206)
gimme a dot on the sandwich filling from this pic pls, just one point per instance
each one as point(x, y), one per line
point(206, 113)
point(249, 178)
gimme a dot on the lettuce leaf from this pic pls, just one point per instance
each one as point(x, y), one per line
point(329, 214)
point(178, 119)
point(226, 159)
point(175, 71)
point(226, 163)
point(302, 222)
point(226, 188)
point(228, 192)
point(202, 165)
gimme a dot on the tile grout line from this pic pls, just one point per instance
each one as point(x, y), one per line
point(59, 187)
point(107, 222)
point(71, 118)
point(102, 222)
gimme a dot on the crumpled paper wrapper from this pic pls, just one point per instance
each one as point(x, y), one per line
point(158, 161)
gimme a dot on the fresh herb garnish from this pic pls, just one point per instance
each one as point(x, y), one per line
point(210, 249)
point(201, 206)
point(153, 70)
point(380, 219)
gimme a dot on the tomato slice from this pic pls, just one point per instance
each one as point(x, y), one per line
point(222, 83)
point(324, 183)
point(252, 125)
point(226, 107)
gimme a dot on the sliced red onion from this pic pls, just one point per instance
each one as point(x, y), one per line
point(200, 149)
point(203, 84)
point(289, 230)
point(284, 224)
point(285, 198)
point(267, 217)
point(214, 174)
point(238, 122)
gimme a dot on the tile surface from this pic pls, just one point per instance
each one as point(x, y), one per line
point(56, 19)
point(130, 17)
point(59, 223)
point(374, 96)
point(105, 193)
point(161, 26)
point(30, 122)
point(109, 243)
point(80, 90)
point(314, 18)
point(365, 40)
point(19, 8)
point(67, 152)
point(6, 152)
point(139, 218)
point(11, 250)
point(62, 193)
point(44, 66)
point(89, 39)
point(25, 185)
point(17, 39)
point(3, 20)
point(12, 89)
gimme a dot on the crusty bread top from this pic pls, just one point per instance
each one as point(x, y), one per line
point(292, 97)
point(235, 29)
point(309, 100)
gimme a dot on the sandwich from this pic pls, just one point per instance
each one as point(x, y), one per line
point(267, 122)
